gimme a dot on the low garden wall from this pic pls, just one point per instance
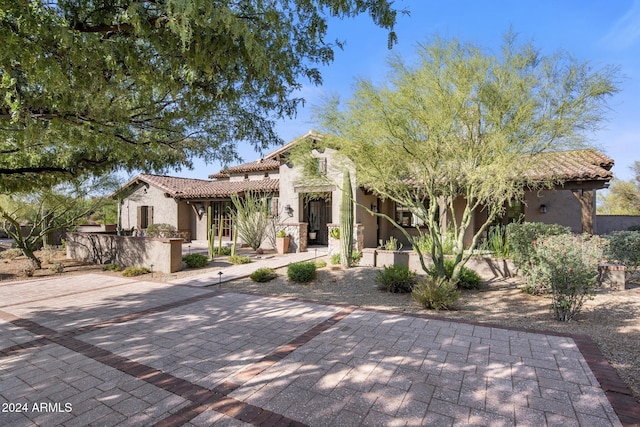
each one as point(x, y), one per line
point(163, 255)
point(486, 267)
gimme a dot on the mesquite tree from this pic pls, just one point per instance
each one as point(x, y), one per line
point(346, 221)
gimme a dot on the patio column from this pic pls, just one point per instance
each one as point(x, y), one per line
point(586, 199)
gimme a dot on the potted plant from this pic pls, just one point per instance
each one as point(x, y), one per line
point(313, 226)
point(282, 242)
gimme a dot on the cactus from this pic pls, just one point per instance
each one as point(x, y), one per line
point(346, 221)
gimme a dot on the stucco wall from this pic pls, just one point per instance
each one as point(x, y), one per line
point(165, 209)
point(164, 255)
point(562, 208)
point(606, 224)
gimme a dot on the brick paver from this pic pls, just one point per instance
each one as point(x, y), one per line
point(140, 353)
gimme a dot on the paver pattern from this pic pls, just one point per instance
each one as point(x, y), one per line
point(98, 350)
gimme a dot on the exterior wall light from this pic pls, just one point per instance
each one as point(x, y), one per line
point(289, 210)
point(543, 209)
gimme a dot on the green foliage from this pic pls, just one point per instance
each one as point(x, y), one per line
point(164, 231)
point(195, 260)
point(334, 233)
point(251, 217)
point(436, 294)
point(112, 267)
point(263, 275)
point(468, 279)
point(462, 128)
point(569, 264)
point(281, 234)
point(396, 279)
point(623, 197)
point(335, 259)
point(522, 238)
point(94, 86)
point(11, 254)
point(497, 242)
point(624, 247)
point(223, 251)
point(346, 221)
point(425, 243)
point(392, 244)
point(321, 264)
point(239, 259)
point(135, 271)
point(48, 254)
point(356, 256)
point(302, 272)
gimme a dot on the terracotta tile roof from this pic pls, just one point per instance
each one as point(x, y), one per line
point(188, 188)
point(256, 166)
point(574, 165)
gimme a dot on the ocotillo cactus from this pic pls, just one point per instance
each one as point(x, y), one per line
point(346, 221)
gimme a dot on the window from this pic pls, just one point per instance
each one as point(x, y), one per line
point(145, 217)
point(406, 218)
point(220, 213)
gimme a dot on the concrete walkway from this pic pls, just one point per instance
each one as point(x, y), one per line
point(244, 270)
point(111, 351)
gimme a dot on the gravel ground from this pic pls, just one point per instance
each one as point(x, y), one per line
point(611, 319)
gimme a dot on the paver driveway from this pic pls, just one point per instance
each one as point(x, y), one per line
point(98, 350)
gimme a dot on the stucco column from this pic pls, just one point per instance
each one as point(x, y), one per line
point(586, 199)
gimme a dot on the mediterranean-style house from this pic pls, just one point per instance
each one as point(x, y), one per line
point(308, 211)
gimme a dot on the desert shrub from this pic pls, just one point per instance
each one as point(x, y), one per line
point(335, 259)
point(425, 243)
point(223, 251)
point(570, 266)
point(112, 267)
point(11, 253)
point(522, 237)
point(239, 259)
point(432, 293)
point(263, 275)
point(302, 272)
point(392, 244)
point(48, 254)
point(396, 279)
point(135, 271)
point(468, 279)
point(497, 242)
point(195, 260)
point(321, 264)
point(624, 247)
point(30, 269)
point(355, 258)
point(57, 267)
point(164, 231)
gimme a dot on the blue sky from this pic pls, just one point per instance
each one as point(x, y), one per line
point(600, 32)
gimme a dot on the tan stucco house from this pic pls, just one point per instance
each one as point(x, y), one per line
point(194, 206)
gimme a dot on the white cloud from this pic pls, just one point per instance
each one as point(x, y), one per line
point(626, 31)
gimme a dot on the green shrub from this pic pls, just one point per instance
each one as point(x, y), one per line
point(263, 275)
point(223, 251)
point(521, 238)
point(11, 254)
point(135, 271)
point(497, 242)
point(392, 244)
point(396, 279)
point(334, 233)
point(195, 260)
point(432, 293)
point(112, 267)
point(164, 231)
point(321, 264)
point(302, 272)
point(624, 247)
point(239, 259)
point(424, 243)
point(570, 266)
point(281, 234)
point(355, 258)
point(468, 279)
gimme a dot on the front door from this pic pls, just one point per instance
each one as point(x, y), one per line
point(318, 215)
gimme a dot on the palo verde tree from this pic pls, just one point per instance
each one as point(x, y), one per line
point(455, 132)
point(623, 197)
point(92, 86)
point(45, 211)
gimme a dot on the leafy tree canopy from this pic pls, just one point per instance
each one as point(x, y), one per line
point(94, 85)
point(454, 133)
point(623, 197)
